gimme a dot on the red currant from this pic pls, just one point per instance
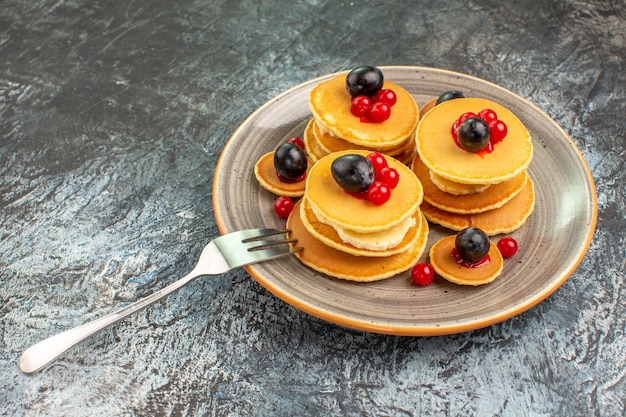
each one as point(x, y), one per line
point(378, 193)
point(360, 106)
point(488, 115)
point(422, 274)
point(497, 131)
point(465, 116)
point(378, 162)
point(455, 131)
point(380, 112)
point(507, 246)
point(283, 206)
point(296, 141)
point(386, 96)
point(390, 176)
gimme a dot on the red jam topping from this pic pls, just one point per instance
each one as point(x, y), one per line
point(469, 264)
point(288, 181)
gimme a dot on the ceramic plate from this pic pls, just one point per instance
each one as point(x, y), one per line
point(552, 242)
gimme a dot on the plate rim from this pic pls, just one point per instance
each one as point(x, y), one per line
point(404, 330)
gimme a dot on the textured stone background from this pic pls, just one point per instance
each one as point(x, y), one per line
point(112, 117)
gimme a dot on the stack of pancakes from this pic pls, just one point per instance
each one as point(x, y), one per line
point(490, 191)
point(334, 128)
point(351, 238)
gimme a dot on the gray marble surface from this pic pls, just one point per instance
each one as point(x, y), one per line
point(112, 118)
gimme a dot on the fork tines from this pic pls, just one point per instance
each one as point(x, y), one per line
point(262, 242)
point(258, 234)
point(257, 245)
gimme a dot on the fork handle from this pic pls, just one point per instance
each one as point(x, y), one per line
point(48, 350)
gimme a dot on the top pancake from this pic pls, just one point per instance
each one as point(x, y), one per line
point(330, 104)
point(443, 157)
point(345, 211)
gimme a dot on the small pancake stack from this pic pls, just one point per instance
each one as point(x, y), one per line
point(350, 237)
point(488, 190)
point(334, 128)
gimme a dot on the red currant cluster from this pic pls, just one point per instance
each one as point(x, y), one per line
point(386, 179)
point(374, 109)
point(497, 128)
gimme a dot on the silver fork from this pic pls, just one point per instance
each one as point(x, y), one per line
point(224, 253)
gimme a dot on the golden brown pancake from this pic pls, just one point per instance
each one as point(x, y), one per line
point(311, 145)
point(332, 144)
point(329, 236)
point(317, 149)
point(455, 188)
point(330, 104)
point(406, 157)
point(340, 209)
point(493, 197)
point(427, 106)
point(445, 266)
point(336, 263)
point(266, 175)
point(443, 157)
point(505, 219)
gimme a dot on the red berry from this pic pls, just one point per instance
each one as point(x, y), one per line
point(386, 96)
point(296, 141)
point(380, 112)
point(283, 206)
point(390, 176)
point(465, 116)
point(455, 130)
point(497, 131)
point(507, 246)
point(360, 106)
point(488, 115)
point(378, 193)
point(422, 274)
point(378, 162)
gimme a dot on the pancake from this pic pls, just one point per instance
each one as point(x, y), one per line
point(443, 157)
point(511, 216)
point(311, 145)
point(317, 149)
point(330, 102)
point(406, 157)
point(336, 263)
point(265, 173)
point(342, 210)
point(446, 267)
point(492, 198)
point(329, 236)
point(427, 106)
point(332, 144)
point(455, 188)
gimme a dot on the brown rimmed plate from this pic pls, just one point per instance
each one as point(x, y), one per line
point(552, 242)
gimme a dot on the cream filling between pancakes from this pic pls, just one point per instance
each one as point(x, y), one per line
point(375, 241)
point(456, 188)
